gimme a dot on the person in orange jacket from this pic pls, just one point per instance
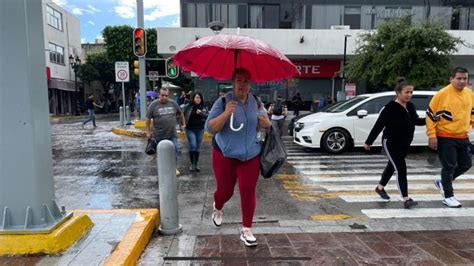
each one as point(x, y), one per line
point(448, 120)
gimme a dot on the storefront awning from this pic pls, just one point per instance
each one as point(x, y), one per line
point(61, 84)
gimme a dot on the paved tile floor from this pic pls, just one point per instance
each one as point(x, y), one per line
point(454, 247)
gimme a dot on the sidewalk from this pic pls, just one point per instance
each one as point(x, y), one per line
point(373, 248)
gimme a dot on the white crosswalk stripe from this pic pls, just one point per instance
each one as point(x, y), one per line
point(418, 213)
point(412, 186)
point(352, 177)
point(419, 197)
point(364, 171)
point(376, 178)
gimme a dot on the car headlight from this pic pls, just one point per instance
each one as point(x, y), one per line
point(310, 124)
point(300, 125)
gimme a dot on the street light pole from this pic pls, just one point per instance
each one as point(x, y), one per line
point(76, 65)
point(344, 63)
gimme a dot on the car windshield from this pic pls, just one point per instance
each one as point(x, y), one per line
point(344, 105)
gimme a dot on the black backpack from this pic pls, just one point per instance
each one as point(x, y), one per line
point(278, 108)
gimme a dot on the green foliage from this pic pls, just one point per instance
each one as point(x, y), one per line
point(420, 53)
point(119, 47)
point(119, 43)
point(98, 67)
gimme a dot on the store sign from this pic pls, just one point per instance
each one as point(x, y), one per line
point(389, 13)
point(317, 68)
point(350, 90)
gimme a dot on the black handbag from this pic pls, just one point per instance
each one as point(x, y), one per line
point(273, 154)
point(150, 148)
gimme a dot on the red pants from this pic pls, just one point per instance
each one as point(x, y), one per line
point(227, 171)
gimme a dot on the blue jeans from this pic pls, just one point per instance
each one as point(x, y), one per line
point(194, 138)
point(91, 117)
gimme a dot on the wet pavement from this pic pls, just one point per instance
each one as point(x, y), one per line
point(364, 248)
point(305, 210)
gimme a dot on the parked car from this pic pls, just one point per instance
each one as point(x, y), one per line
point(348, 123)
point(291, 124)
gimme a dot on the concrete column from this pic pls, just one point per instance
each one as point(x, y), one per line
point(27, 201)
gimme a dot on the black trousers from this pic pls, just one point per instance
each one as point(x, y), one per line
point(455, 157)
point(396, 154)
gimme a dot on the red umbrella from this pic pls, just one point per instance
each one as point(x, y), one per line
point(219, 55)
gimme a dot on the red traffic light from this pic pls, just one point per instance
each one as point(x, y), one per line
point(139, 42)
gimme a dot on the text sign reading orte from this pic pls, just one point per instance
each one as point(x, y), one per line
point(122, 73)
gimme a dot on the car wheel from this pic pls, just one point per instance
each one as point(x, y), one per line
point(335, 140)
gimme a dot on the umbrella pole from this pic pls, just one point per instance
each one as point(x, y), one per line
point(236, 54)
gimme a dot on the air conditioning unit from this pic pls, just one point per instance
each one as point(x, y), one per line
point(340, 27)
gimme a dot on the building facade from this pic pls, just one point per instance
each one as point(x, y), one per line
point(322, 14)
point(62, 39)
point(311, 34)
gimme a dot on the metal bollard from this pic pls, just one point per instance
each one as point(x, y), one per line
point(127, 115)
point(121, 116)
point(168, 186)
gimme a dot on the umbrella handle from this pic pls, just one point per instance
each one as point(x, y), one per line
point(232, 124)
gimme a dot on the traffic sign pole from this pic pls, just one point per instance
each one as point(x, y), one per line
point(141, 64)
point(123, 98)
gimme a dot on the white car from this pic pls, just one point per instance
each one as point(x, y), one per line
point(348, 123)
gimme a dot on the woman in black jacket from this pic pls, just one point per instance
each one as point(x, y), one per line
point(397, 120)
point(195, 114)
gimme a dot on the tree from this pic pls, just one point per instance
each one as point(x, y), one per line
point(98, 67)
point(419, 52)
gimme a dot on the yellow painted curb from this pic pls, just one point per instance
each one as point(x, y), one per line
point(324, 217)
point(129, 133)
point(53, 243)
point(142, 134)
point(140, 124)
point(128, 251)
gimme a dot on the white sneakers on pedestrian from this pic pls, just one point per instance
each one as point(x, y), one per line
point(439, 186)
point(216, 215)
point(452, 202)
point(247, 237)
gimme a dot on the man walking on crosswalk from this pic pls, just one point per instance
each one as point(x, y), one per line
point(448, 118)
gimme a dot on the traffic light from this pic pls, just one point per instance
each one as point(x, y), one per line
point(172, 70)
point(136, 69)
point(139, 42)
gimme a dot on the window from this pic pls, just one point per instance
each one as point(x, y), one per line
point(263, 16)
point(421, 102)
point(292, 16)
point(373, 106)
point(352, 17)
point(56, 54)
point(55, 18)
point(225, 13)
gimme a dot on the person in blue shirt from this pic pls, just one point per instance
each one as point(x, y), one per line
point(236, 149)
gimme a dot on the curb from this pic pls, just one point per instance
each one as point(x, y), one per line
point(128, 251)
point(142, 134)
point(55, 242)
point(129, 133)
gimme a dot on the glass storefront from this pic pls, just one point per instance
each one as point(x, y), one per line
point(322, 16)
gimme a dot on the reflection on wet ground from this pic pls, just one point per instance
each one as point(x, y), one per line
point(96, 169)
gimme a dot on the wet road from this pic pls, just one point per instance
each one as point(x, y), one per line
point(96, 169)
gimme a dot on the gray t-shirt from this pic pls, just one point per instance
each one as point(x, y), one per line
point(164, 117)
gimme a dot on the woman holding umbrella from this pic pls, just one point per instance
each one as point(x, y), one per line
point(235, 155)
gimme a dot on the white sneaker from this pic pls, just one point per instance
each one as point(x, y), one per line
point(452, 202)
point(439, 186)
point(247, 237)
point(216, 215)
